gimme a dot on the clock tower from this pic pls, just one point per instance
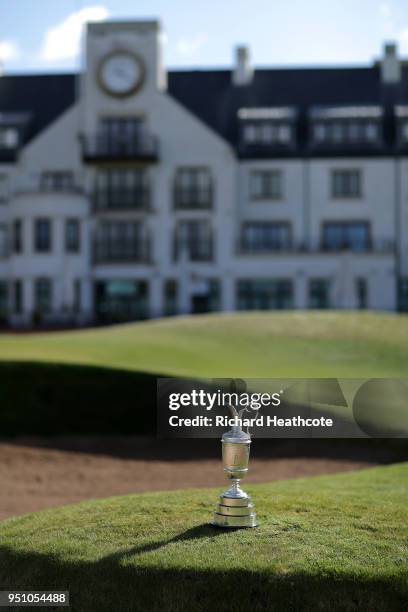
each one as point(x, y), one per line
point(123, 71)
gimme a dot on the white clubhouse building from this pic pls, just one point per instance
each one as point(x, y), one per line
point(128, 191)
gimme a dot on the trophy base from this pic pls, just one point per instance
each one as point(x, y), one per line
point(234, 512)
point(220, 520)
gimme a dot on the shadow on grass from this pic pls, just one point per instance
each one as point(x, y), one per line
point(194, 533)
point(61, 399)
point(122, 582)
point(98, 410)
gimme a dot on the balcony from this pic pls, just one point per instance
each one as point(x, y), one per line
point(193, 250)
point(103, 148)
point(105, 200)
point(193, 198)
point(107, 251)
point(245, 247)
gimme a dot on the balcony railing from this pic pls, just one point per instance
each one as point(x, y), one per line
point(193, 198)
point(121, 251)
point(245, 247)
point(100, 147)
point(121, 199)
point(193, 250)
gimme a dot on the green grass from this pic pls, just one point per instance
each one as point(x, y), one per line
point(327, 543)
point(288, 344)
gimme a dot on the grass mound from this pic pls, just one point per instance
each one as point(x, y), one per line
point(327, 543)
point(261, 344)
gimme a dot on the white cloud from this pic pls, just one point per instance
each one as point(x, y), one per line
point(8, 50)
point(62, 41)
point(402, 40)
point(385, 10)
point(188, 47)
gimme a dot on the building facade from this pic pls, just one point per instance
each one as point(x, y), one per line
point(129, 192)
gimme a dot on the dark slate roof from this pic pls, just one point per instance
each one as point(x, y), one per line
point(42, 97)
point(211, 96)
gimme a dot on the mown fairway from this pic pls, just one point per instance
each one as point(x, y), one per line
point(292, 344)
point(327, 543)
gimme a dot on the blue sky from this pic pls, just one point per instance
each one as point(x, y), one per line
point(44, 35)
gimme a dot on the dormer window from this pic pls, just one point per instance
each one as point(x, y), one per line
point(345, 126)
point(266, 128)
point(266, 133)
point(13, 127)
point(401, 113)
point(8, 137)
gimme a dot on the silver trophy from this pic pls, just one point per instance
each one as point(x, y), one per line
point(235, 507)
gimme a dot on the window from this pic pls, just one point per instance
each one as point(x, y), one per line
point(250, 133)
point(77, 295)
point(18, 296)
point(122, 188)
point(123, 129)
point(57, 180)
point(42, 235)
point(319, 293)
point(346, 132)
point(193, 188)
point(361, 293)
point(337, 132)
point(371, 131)
point(43, 295)
point(403, 294)
point(346, 183)
point(122, 241)
point(72, 236)
point(17, 236)
point(260, 236)
point(4, 188)
point(8, 138)
point(194, 238)
point(205, 296)
point(267, 133)
point(170, 298)
point(264, 294)
point(354, 131)
point(265, 184)
point(120, 135)
point(3, 240)
point(354, 236)
point(284, 133)
point(3, 301)
point(121, 300)
point(319, 132)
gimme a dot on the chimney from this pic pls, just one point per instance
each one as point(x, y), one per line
point(390, 65)
point(243, 71)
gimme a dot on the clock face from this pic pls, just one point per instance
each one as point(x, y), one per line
point(121, 73)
